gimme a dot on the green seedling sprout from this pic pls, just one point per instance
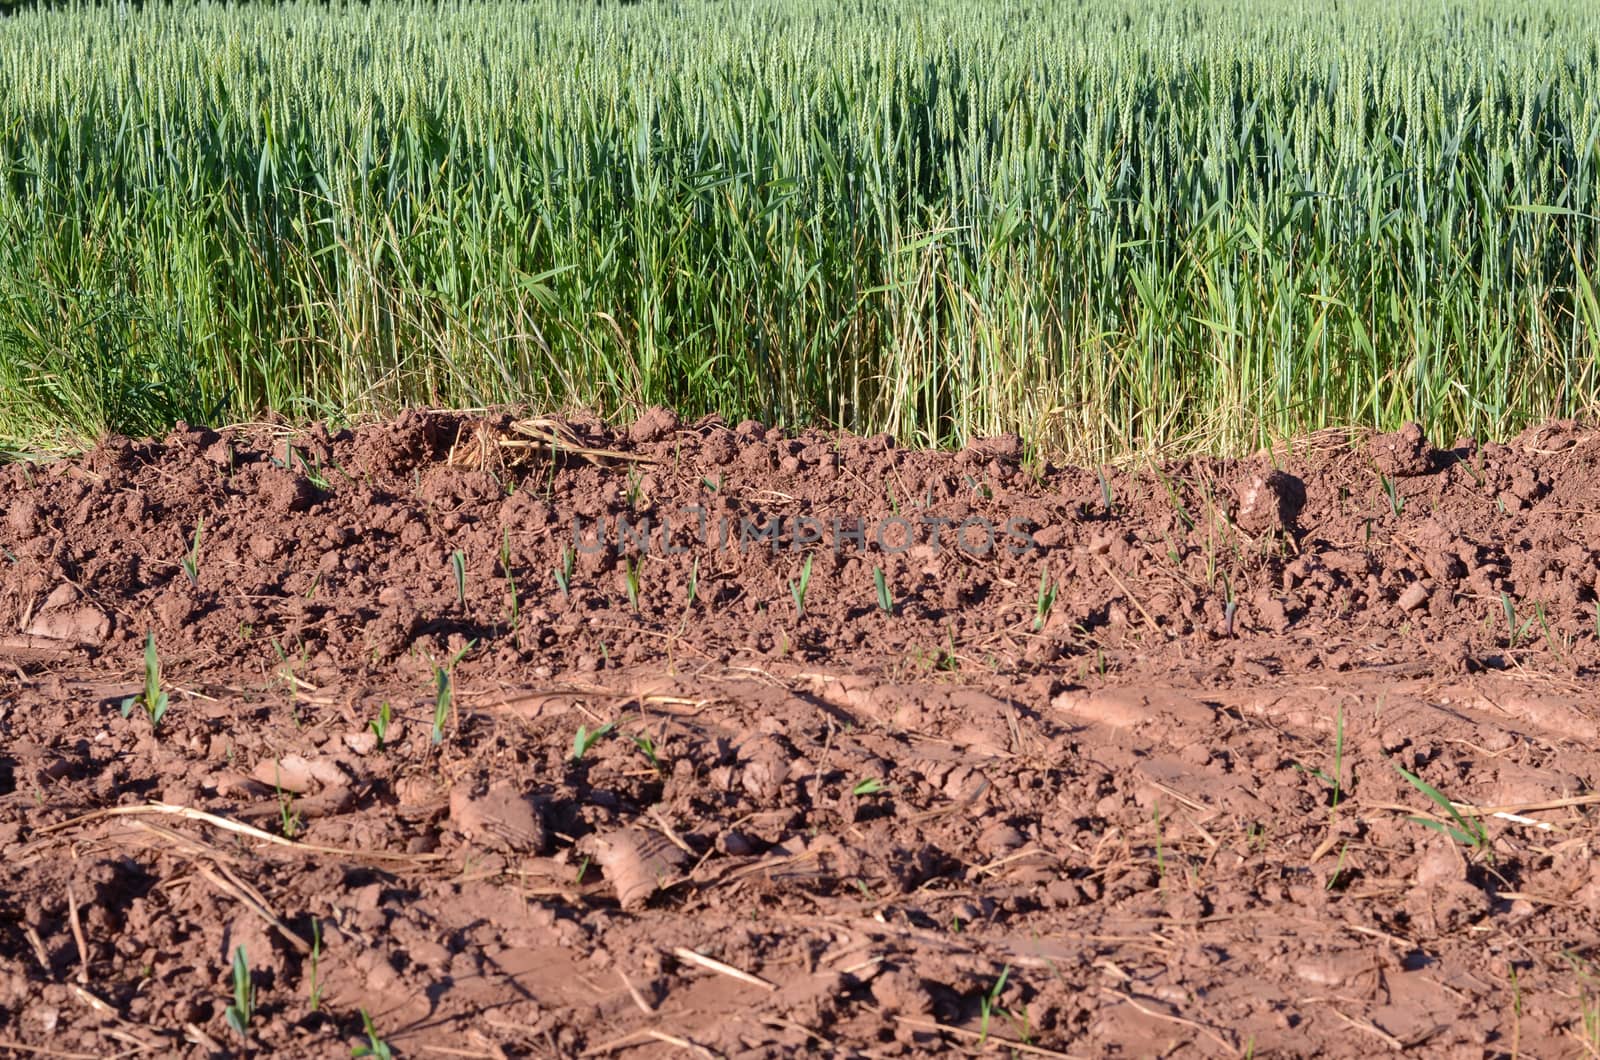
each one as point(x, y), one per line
point(694, 586)
point(1230, 607)
point(885, 599)
point(191, 562)
point(511, 582)
point(442, 695)
point(1047, 599)
point(288, 816)
point(951, 660)
point(1106, 494)
point(1333, 780)
point(630, 577)
point(458, 564)
point(380, 724)
point(1469, 834)
point(244, 996)
point(152, 699)
point(635, 487)
point(1514, 632)
point(989, 1004)
point(1557, 644)
point(1177, 501)
point(313, 471)
point(647, 747)
point(444, 692)
point(584, 739)
point(1338, 868)
point(314, 996)
point(870, 786)
point(1337, 780)
point(374, 1046)
point(1397, 503)
point(564, 574)
point(798, 589)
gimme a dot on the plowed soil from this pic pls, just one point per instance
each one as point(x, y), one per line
point(1135, 780)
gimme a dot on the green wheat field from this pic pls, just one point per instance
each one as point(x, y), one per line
point(1112, 225)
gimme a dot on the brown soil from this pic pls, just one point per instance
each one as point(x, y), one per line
point(1165, 817)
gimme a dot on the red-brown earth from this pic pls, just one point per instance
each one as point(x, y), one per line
point(664, 811)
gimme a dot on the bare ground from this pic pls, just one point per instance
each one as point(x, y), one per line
point(660, 811)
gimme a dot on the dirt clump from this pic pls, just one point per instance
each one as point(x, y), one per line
point(1271, 503)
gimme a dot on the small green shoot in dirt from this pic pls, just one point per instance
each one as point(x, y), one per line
point(375, 1046)
point(630, 577)
point(583, 870)
point(191, 562)
point(1514, 631)
point(1338, 758)
point(513, 601)
point(1230, 606)
point(635, 487)
point(380, 724)
point(870, 786)
point(797, 589)
point(244, 996)
point(312, 468)
point(647, 747)
point(1469, 834)
point(1397, 502)
point(1334, 779)
point(885, 597)
point(152, 699)
point(1516, 1010)
point(442, 695)
point(1256, 838)
point(1338, 868)
point(1587, 1027)
point(313, 472)
point(564, 574)
point(989, 1004)
point(444, 691)
point(1177, 501)
point(1046, 601)
point(694, 581)
point(950, 659)
point(289, 820)
point(585, 739)
point(1107, 497)
point(458, 565)
point(314, 995)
